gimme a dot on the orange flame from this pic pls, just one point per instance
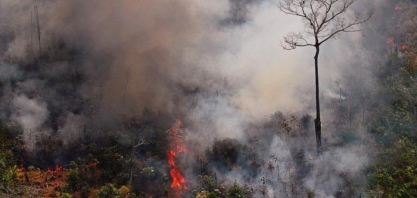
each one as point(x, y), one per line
point(403, 47)
point(21, 168)
point(58, 169)
point(178, 180)
point(176, 147)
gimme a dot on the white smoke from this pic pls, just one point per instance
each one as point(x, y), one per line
point(31, 115)
point(136, 54)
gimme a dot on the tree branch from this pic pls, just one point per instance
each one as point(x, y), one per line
point(323, 20)
point(294, 40)
point(346, 28)
point(140, 142)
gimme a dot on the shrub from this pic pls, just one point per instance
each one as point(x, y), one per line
point(225, 151)
point(205, 194)
point(124, 190)
point(65, 195)
point(108, 191)
point(85, 191)
point(72, 181)
point(236, 191)
point(202, 194)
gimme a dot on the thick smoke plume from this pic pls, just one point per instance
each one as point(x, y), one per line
point(216, 64)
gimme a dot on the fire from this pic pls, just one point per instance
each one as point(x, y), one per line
point(403, 47)
point(171, 158)
point(176, 147)
point(178, 179)
point(391, 41)
point(57, 169)
point(21, 168)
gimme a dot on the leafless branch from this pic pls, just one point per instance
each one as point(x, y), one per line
point(351, 26)
point(323, 19)
point(293, 40)
point(140, 142)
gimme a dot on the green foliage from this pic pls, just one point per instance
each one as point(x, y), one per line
point(9, 174)
point(210, 188)
point(85, 191)
point(236, 191)
point(8, 168)
point(212, 195)
point(395, 173)
point(394, 116)
point(111, 162)
point(73, 165)
point(73, 181)
point(205, 194)
point(108, 191)
point(65, 195)
point(207, 181)
point(124, 191)
point(393, 121)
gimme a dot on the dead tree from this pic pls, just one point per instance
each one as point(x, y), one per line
point(140, 142)
point(323, 20)
point(38, 30)
point(74, 71)
point(31, 34)
point(124, 93)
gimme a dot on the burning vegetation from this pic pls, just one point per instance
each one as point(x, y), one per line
point(175, 149)
point(178, 99)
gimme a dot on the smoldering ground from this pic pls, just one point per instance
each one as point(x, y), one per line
point(216, 64)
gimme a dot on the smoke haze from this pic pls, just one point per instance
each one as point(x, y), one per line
point(218, 64)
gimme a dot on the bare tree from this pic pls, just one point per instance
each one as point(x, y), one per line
point(31, 34)
point(323, 20)
point(140, 142)
point(38, 29)
point(124, 93)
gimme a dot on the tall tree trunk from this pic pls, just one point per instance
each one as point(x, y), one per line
point(124, 93)
point(31, 34)
point(39, 30)
point(131, 166)
point(317, 121)
point(75, 77)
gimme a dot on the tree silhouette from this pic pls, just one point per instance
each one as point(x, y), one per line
point(323, 20)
